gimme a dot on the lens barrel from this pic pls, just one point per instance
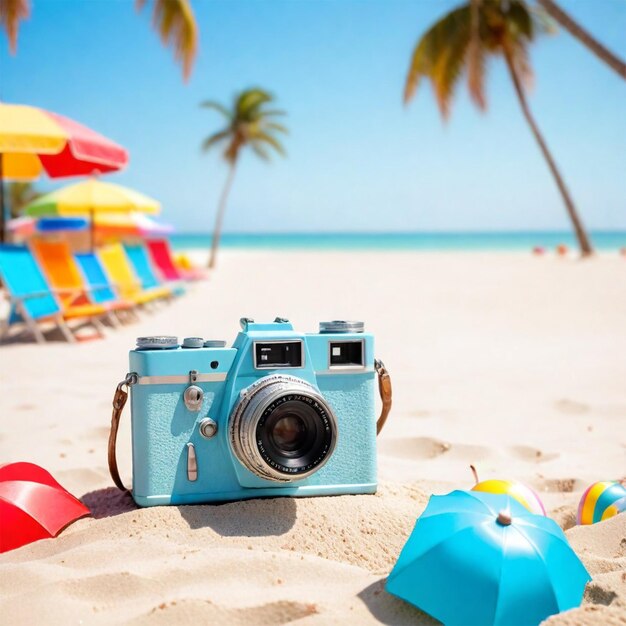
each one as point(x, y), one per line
point(282, 429)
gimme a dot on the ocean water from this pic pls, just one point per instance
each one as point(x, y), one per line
point(495, 241)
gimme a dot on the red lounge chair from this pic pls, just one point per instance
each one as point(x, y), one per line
point(162, 257)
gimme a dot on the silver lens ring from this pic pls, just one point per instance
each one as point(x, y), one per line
point(253, 407)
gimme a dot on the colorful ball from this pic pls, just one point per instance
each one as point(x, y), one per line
point(601, 501)
point(523, 494)
point(615, 509)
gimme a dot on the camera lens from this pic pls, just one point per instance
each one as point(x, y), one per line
point(292, 435)
point(289, 434)
point(282, 429)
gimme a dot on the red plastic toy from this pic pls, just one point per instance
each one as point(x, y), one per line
point(33, 505)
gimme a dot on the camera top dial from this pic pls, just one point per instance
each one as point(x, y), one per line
point(214, 343)
point(342, 326)
point(157, 342)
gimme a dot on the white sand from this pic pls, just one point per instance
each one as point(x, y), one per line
point(513, 363)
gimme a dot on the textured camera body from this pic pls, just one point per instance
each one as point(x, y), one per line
point(175, 462)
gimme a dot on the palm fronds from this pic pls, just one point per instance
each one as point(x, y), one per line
point(216, 106)
point(21, 194)
point(12, 12)
point(263, 137)
point(476, 61)
point(249, 123)
point(215, 139)
point(461, 43)
point(175, 22)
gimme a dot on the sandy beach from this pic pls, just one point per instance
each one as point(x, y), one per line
point(512, 363)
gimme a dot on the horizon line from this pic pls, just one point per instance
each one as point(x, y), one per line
point(598, 231)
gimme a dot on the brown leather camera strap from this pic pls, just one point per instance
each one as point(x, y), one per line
point(121, 396)
point(119, 401)
point(384, 388)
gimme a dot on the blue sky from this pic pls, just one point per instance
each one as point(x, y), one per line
point(357, 159)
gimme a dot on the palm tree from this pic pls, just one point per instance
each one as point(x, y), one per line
point(175, 22)
point(249, 123)
point(460, 42)
point(576, 30)
point(21, 194)
point(173, 19)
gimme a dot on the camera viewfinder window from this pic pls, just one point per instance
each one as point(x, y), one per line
point(346, 353)
point(278, 354)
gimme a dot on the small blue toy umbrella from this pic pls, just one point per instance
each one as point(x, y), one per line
point(52, 224)
point(478, 558)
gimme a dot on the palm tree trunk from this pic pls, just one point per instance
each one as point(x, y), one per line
point(219, 218)
point(581, 235)
point(577, 31)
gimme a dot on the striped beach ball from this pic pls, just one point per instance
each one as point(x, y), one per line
point(601, 501)
point(523, 494)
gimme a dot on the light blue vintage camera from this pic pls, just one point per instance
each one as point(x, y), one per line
point(281, 413)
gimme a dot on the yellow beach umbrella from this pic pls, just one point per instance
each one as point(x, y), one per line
point(33, 141)
point(26, 132)
point(91, 197)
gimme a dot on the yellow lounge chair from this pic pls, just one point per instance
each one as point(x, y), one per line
point(118, 267)
point(64, 275)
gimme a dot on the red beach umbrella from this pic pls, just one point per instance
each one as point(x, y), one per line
point(33, 505)
point(33, 140)
point(85, 152)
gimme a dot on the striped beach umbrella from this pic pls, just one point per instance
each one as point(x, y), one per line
point(34, 141)
point(25, 226)
point(133, 224)
point(130, 224)
point(90, 198)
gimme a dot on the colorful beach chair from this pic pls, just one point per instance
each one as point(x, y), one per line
point(162, 257)
point(144, 270)
point(31, 300)
point(118, 267)
point(102, 290)
point(65, 277)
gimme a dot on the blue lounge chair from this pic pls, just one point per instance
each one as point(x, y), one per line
point(31, 299)
point(144, 270)
point(101, 289)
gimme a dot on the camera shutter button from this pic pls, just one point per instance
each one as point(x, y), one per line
point(193, 342)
